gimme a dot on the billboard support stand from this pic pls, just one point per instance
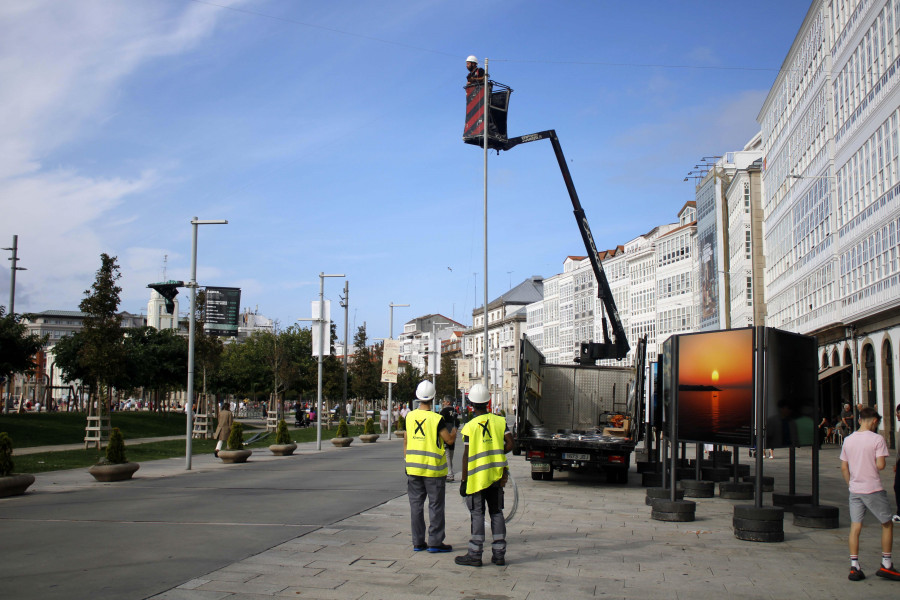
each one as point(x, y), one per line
point(760, 403)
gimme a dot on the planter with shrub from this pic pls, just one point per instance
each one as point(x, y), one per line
point(115, 467)
point(368, 435)
point(342, 439)
point(11, 484)
point(283, 445)
point(234, 452)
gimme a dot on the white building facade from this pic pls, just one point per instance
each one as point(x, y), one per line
point(831, 195)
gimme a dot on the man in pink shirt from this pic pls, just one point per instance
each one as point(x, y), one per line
point(862, 457)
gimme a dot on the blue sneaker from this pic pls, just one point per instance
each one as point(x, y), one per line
point(419, 547)
point(441, 548)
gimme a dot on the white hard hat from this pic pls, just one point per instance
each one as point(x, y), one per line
point(479, 394)
point(425, 391)
point(472, 58)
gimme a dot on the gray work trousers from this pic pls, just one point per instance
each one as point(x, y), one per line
point(449, 452)
point(493, 497)
point(418, 487)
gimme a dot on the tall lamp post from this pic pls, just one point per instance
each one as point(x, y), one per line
point(12, 274)
point(391, 385)
point(322, 332)
point(191, 324)
point(435, 361)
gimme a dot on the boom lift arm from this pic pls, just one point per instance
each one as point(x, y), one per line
point(590, 351)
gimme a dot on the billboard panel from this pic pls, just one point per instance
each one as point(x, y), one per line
point(791, 389)
point(390, 361)
point(223, 307)
point(715, 387)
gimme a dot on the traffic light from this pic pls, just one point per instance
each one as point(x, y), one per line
point(167, 290)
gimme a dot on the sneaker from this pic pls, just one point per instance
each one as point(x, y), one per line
point(498, 560)
point(419, 547)
point(217, 453)
point(888, 573)
point(467, 560)
point(441, 548)
point(896, 518)
point(450, 478)
point(856, 574)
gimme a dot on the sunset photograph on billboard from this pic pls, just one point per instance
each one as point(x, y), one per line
point(715, 387)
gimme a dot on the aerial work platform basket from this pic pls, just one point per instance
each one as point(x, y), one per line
point(498, 107)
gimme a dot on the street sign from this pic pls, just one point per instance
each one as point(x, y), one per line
point(223, 307)
point(322, 328)
point(390, 361)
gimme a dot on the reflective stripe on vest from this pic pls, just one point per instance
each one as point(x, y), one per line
point(486, 458)
point(424, 448)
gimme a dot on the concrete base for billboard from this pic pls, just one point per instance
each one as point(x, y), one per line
point(758, 524)
point(788, 501)
point(736, 491)
point(647, 466)
point(667, 510)
point(660, 493)
point(695, 488)
point(651, 479)
point(818, 517)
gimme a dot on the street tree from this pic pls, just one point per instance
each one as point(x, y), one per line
point(101, 354)
point(365, 372)
point(17, 350)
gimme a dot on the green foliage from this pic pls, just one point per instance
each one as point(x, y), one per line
point(407, 380)
point(401, 424)
point(47, 429)
point(502, 412)
point(115, 449)
point(342, 430)
point(365, 371)
point(6, 450)
point(17, 346)
point(67, 352)
point(445, 383)
point(101, 354)
point(281, 433)
point(370, 426)
point(236, 437)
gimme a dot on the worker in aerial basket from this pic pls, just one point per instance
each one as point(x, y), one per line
point(476, 73)
point(484, 474)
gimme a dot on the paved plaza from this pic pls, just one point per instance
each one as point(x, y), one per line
point(335, 525)
point(570, 538)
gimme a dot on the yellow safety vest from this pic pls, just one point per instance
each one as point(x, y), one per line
point(487, 460)
point(425, 454)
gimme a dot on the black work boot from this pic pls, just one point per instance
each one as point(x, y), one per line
point(468, 560)
point(498, 559)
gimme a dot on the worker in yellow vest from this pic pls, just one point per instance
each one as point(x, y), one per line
point(484, 470)
point(426, 470)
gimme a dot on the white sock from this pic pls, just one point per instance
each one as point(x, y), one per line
point(886, 560)
point(854, 561)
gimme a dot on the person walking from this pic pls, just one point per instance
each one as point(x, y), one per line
point(426, 470)
point(862, 457)
point(452, 420)
point(484, 473)
point(223, 429)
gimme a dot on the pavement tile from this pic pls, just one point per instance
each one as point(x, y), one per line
point(255, 587)
point(193, 584)
point(320, 593)
point(182, 594)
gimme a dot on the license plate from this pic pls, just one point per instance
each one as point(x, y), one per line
point(539, 467)
point(573, 456)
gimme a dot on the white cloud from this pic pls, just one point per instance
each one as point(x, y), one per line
point(62, 64)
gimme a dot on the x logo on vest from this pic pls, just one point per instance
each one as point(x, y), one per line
point(419, 425)
point(485, 432)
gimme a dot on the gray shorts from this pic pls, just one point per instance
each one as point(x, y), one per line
point(876, 503)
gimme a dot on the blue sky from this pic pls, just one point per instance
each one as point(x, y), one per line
point(329, 135)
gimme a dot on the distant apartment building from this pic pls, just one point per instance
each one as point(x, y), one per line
point(506, 324)
point(421, 338)
point(831, 198)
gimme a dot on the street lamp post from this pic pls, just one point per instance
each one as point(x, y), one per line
point(12, 274)
point(435, 360)
point(191, 324)
point(391, 385)
point(322, 333)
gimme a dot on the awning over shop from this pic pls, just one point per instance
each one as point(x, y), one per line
point(826, 373)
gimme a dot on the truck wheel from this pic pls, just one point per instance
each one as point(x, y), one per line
point(548, 476)
point(537, 475)
point(517, 451)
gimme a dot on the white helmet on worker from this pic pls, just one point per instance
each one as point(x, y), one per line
point(479, 394)
point(425, 391)
point(472, 58)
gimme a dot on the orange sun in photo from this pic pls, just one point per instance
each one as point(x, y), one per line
point(715, 376)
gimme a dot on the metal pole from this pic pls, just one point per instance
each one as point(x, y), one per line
point(12, 275)
point(190, 376)
point(321, 324)
point(346, 305)
point(391, 385)
point(487, 101)
point(760, 399)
